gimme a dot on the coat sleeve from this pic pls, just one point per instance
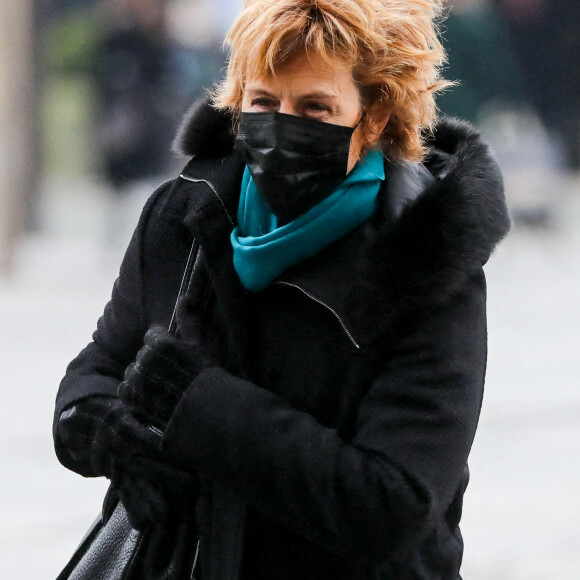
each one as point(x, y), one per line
point(99, 368)
point(379, 494)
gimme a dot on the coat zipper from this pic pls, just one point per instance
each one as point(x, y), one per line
point(329, 308)
point(212, 187)
point(317, 300)
point(214, 190)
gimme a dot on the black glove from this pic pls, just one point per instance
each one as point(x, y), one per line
point(165, 367)
point(144, 501)
point(103, 432)
point(151, 491)
point(107, 428)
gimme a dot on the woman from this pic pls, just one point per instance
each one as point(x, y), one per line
point(324, 389)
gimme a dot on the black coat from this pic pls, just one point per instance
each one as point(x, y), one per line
point(335, 435)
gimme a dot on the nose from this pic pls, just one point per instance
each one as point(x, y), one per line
point(287, 107)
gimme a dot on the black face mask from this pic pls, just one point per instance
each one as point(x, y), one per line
point(295, 162)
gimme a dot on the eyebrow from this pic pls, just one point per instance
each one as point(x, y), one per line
point(262, 92)
point(319, 95)
point(315, 95)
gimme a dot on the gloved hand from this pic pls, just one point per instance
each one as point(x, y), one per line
point(108, 430)
point(143, 500)
point(104, 432)
point(165, 367)
point(151, 491)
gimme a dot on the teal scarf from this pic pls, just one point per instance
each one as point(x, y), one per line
point(262, 250)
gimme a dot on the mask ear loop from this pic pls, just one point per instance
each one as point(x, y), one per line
point(364, 148)
point(362, 153)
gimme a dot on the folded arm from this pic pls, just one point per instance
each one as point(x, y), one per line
point(374, 495)
point(100, 367)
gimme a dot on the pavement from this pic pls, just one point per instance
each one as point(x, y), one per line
point(521, 508)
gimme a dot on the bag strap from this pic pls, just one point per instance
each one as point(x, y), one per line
point(191, 268)
point(192, 284)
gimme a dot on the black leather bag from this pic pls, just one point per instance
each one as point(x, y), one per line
point(111, 549)
point(108, 549)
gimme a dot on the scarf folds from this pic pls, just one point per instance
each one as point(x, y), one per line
point(263, 251)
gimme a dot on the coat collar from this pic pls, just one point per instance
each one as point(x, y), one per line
point(435, 223)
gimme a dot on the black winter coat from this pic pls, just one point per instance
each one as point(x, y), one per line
point(335, 436)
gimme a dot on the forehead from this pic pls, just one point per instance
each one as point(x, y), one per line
point(305, 72)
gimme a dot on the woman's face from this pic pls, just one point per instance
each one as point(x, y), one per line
point(307, 86)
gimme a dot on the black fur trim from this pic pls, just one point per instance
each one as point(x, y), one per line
point(205, 132)
point(451, 229)
point(441, 235)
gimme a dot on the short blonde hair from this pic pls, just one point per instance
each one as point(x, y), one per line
point(392, 47)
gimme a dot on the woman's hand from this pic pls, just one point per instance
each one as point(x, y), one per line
point(104, 432)
point(165, 367)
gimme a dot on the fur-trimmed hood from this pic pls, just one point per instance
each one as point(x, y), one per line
point(437, 221)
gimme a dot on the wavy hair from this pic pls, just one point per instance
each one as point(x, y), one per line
point(392, 47)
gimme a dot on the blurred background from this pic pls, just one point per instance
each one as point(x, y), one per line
point(91, 93)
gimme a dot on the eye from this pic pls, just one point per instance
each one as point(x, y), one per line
point(263, 103)
point(316, 109)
